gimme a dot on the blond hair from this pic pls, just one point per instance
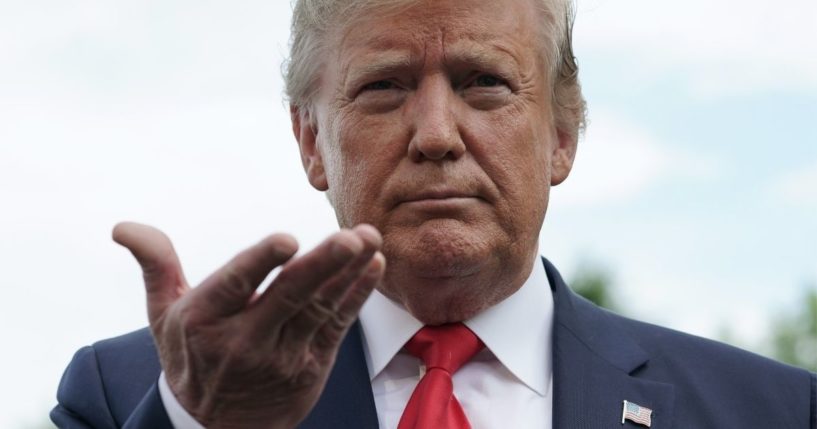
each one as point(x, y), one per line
point(312, 20)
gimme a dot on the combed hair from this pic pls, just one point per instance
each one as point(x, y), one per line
point(312, 20)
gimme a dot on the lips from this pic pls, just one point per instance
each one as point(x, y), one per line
point(438, 199)
point(434, 189)
point(441, 194)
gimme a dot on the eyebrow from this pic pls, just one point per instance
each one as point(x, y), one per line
point(383, 63)
point(479, 56)
point(486, 56)
point(379, 64)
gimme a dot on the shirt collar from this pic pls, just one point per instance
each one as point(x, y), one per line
point(527, 313)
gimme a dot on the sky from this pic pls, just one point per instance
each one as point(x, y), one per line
point(695, 185)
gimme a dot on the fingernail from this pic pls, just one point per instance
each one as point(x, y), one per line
point(341, 252)
point(375, 270)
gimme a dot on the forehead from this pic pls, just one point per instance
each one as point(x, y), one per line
point(424, 26)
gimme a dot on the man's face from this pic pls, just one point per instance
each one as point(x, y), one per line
point(434, 125)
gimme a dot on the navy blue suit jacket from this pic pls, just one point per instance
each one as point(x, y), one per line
point(600, 360)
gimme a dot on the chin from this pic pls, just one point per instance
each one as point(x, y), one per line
point(441, 249)
point(447, 271)
point(433, 301)
point(440, 300)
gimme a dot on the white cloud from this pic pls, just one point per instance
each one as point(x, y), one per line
point(797, 188)
point(617, 161)
point(719, 46)
point(142, 49)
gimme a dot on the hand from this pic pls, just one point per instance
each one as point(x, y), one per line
point(238, 359)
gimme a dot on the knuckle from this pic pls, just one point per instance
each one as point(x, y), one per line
point(285, 300)
point(323, 307)
point(235, 281)
point(307, 377)
point(155, 273)
point(326, 340)
point(280, 246)
point(318, 312)
point(338, 323)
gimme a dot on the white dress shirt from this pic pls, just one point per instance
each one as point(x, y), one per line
point(508, 384)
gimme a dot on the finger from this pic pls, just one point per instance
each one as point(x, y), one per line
point(324, 302)
point(228, 290)
point(301, 277)
point(162, 272)
point(332, 291)
point(357, 296)
point(332, 332)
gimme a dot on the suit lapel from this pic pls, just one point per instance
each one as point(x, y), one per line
point(346, 401)
point(596, 365)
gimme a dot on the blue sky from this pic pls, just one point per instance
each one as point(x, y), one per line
point(695, 185)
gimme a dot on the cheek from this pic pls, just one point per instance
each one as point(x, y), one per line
point(362, 152)
point(513, 152)
point(530, 172)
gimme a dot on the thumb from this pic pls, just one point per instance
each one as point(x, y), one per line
point(162, 272)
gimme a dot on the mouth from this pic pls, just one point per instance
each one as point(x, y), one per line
point(442, 194)
point(439, 199)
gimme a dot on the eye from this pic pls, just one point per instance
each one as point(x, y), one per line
point(486, 91)
point(380, 96)
point(379, 85)
point(487, 81)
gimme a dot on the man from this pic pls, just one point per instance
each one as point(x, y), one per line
point(436, 128)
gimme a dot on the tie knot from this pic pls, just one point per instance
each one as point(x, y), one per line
point(445, 346)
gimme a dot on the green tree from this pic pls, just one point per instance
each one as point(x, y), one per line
point(794, 335)
point(596, 284)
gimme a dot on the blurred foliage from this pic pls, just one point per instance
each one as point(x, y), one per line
point(794, 334)
point(596, 284)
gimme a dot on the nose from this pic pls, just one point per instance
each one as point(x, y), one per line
point(435, 135)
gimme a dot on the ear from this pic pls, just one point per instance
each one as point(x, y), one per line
point(561, 160)
point(306, 133)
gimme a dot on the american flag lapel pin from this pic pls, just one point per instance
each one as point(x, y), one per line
point(636, 414)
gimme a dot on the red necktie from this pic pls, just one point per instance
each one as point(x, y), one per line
point(443, 349)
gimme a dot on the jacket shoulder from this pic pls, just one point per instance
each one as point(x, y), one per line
point(710, 375)
point(106, 381)
point(672, 347)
